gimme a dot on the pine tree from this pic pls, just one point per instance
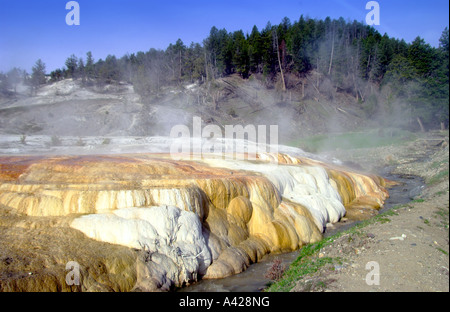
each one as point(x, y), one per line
point(38, 75)
point(56, 75)
point(421, 56)
point(89, 67)
point(299, 45)
point(175, 54)
point(4, 84)
point(218, 51)
point(14, 77)
point(442, 81)
point(269, 56)
point(72, 67)
point(240, 57)
point(255, 51)
point(194, 64)
point(81, 71)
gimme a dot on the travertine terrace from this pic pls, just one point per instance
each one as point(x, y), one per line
point(193, 218)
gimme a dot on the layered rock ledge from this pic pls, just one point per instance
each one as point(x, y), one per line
point(175, 220)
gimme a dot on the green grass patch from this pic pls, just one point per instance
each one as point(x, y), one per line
point(437, 164)
point(305, 264)
point(442, 213)
point(440, 193)
point(442, 250)
point(308, 262)
point(350, 140)
point(441, 175)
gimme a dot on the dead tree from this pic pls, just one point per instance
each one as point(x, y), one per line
point(276, 46)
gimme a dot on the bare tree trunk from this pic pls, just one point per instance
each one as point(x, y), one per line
point(442, 125)
point(356, 86)
point(279, 61)
point(420, 124)
point(317, 72)
point(362, 96)
point(315, 87)
point(180, 68)
point(331, 57)
point(215, 97)
point(206, 67)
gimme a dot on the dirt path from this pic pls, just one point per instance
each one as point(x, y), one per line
point(405, 249)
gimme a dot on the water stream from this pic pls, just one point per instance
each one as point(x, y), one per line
point(253, 280)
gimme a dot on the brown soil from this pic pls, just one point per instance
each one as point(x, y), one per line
point(410, 243)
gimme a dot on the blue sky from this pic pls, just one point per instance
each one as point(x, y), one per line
point(32, 29)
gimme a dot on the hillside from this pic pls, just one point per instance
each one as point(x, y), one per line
point(67, 108)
